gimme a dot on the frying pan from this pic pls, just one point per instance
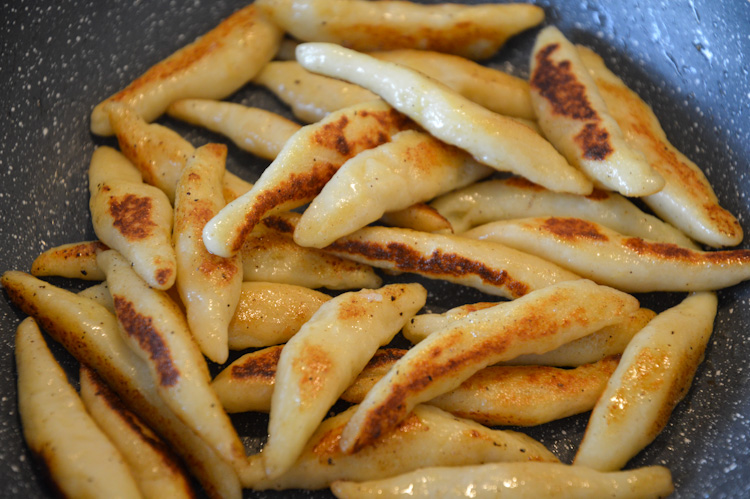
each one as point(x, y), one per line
point(688, 59)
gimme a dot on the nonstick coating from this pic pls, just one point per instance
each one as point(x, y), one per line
point(688, 59)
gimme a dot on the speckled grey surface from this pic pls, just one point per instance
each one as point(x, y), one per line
point(688, 59)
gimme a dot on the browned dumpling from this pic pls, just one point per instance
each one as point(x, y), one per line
point(155, 328)
point(212, 67)
point(573, 116)
point(247, 383)
point(132, 217)
point(610, 340)
point(473, 31)
point(655, 372)
point(209, 285)
point(687, 200)
point(413, 167)
point(427, 437)
point(269, 254)
point(515, 197)
point(323, 359)
point(158, 152)
point(493, 268)
point(632, 264)
point(524, 395)
point(74, 260)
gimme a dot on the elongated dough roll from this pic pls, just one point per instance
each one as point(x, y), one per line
point(132, 217)
point(269, 254)
point(209, 285)
point(413, 167)
point(247, 383)
point(73, 260)
point(492, 268)
point(505, 395)
point(159, 153)
point(655, 373)
point(324, 357)
point(154, 327)
point(516, 197)
point(607, 257)
point(155, 468)
point(529, 481)
point(270, 313)
point(80, 458)
point(252, 129)
point(212, 67)
point(609, 340)
point(474, 31)
point(428, 437)
point(574, 117)
point(423, 325)
point(687, 200)
point(312, 97)
point(419, 216)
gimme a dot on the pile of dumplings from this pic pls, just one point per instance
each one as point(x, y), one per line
point(407, 157)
